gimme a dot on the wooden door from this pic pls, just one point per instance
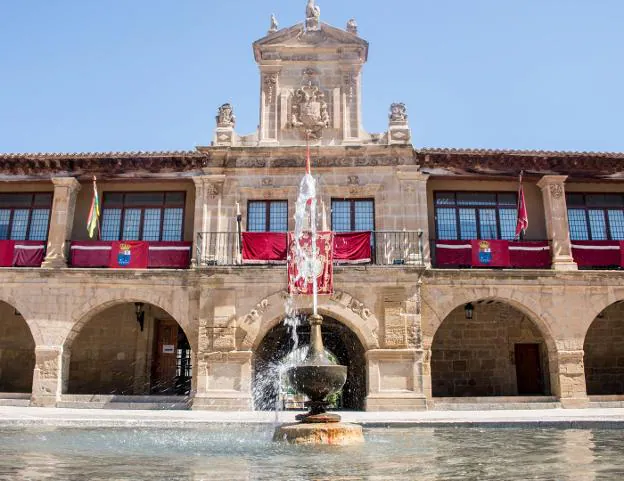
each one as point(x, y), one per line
point(165, 355)
point(528, 369)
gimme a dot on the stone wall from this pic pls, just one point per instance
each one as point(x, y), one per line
point(475, 357)
point(604, 352)
point(17, 351)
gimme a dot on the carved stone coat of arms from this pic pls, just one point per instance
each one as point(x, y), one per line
point(309, 111)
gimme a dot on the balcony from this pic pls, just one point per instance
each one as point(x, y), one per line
point(21, 253)
point(599, 254)
point(491, 254)
point(130, 254)
point(382, 248)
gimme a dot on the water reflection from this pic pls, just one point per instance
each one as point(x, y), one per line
point(235, 452)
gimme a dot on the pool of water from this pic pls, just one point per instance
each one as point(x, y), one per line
point(235, 452)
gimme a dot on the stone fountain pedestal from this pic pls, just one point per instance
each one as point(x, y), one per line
point(317, 378)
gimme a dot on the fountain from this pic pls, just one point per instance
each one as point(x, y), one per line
point(316, 377)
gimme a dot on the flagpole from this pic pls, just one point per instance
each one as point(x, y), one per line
point(521, 233)
point(97, 217)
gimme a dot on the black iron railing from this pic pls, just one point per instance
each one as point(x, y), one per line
point(399, 248)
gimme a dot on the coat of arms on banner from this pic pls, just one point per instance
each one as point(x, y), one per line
point(319, 269)
point(125, 254)
point(485, 252)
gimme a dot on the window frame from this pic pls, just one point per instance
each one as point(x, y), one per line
point(352, 201)
point(30, 209)
point(586, 208)
point(267, 213)
point(143, 207)
point(497, 207)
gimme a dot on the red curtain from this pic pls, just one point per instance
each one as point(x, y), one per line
point(173, 255)
point(352, 247)
point(90, 253)
point(262, 247)
point(530, 254)
point(453, 253)
point(28, 253)
point(129, 254)
point(598, 253)
point(323, 272)
point(7, 248)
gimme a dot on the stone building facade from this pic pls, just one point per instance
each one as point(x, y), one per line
point(417, 332)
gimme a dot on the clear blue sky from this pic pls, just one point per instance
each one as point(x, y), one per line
point(79, 75)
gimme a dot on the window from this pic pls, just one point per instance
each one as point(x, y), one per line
point(148, 216)
point(476, 215)
point(267, 216)
point(350, 215)
point(25, 216)
point(596, 216)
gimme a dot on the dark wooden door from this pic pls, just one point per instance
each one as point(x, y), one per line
point(165, 355)
point(528, 369)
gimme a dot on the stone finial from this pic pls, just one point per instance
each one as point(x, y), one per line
point(398, 131)
point(352, 26)
point(274, 24)
point(225, 116)
point(313, 14)
point(398, 113)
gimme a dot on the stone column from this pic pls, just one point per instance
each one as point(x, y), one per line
point(48, 376)
point(413, 198)
point(223, 372)
point(61, 221)
point(570, 379)
point(556, 214)
point(207, 217)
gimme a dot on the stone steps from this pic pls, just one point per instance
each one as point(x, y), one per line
point(14, 399)
point(494, 403)
point(87, 401)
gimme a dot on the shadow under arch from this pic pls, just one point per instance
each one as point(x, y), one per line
point(17, 351)
point(127, 346)
point(603, 348)
point(502, 350)
point(278, 342)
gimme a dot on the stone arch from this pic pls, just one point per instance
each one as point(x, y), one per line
point(341, 306)
point(24, 309)
point(106, 352)
point(435, 312)
point(603, 351)
point(277, 344)
point(483, 356)
point(93, 307)
point(17, 350)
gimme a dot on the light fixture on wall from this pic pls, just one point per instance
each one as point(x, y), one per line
point(469, 310)
point(140, 313)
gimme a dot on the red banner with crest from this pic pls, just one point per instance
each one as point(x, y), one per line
point(129, 254)
point(322, 269)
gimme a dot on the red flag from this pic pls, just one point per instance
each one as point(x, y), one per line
point(523, 218)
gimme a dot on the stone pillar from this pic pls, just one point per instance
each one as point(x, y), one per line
point(207, 217)
point(61, 221)
point(413, 192)
point(571, 379)
point(556, 214)
point(395, 380)
point(223, 372)
point(48, 376)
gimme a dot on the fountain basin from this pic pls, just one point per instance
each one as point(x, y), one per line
point(317, 381)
